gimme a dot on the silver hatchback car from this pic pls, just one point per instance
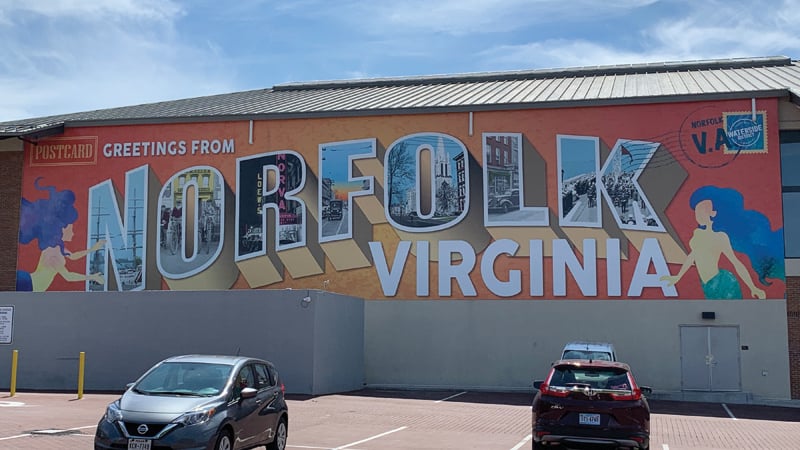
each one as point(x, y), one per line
point(199, 402)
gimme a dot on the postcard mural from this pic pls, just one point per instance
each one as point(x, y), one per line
point(671, 201)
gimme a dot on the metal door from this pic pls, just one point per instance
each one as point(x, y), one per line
point(710, 358)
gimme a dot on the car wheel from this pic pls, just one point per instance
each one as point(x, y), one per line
point(279, 443)
point(224, 441)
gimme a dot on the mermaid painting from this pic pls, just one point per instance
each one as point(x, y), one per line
point(724, 227)
point(49, 221)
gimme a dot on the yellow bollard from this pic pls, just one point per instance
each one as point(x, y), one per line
point(81, 364)
point(14, 358)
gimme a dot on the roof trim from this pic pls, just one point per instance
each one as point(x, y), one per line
point(588, 71)
point(666, 82)
point(436, 109)
point(32, 133)
point(794, 97)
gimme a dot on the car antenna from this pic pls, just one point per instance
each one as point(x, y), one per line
point(238, 349)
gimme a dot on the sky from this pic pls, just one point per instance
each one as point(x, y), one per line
point(65, 56)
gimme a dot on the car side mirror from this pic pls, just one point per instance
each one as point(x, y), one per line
point(537, 384)
point(249, 392)
point(646, 390)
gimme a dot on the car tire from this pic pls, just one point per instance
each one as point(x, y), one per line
point(224, 441)
point(281, 435)
point(538, 445)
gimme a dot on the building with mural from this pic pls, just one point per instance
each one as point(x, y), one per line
point(648, 205)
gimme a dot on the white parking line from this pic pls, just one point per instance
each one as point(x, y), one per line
point(728, 411)
point(370, 438)
point(309, 447)
point(664, 447)
point(84, 427)
point(452, 396)
point(31, 434)
point(15, 437)
point(522, 442)
point(9, 404)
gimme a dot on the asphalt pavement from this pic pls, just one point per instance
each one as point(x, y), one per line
point(418, 420)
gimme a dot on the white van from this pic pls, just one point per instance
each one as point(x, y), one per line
point(602, 351)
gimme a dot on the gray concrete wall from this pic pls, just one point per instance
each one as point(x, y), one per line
point(339, 336)
point(505, 344)
point(123, 334)
point(324, 342)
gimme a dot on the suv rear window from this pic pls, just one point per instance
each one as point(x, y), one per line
point(586, 354)
point(593, 377)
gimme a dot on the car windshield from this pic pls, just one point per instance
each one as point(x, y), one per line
point(586, 354)
point(184, 378)
point(592, 377)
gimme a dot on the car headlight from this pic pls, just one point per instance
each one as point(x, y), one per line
point(196, 417)
point(113, 413)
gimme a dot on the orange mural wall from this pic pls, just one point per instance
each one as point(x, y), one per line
point(675, 201)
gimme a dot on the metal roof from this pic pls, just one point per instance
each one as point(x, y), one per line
point(584, 86)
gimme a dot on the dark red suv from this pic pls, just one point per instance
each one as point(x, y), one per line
point(590, 402)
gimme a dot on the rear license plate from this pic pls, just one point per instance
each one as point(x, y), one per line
point(589, 419)
point(139, 444)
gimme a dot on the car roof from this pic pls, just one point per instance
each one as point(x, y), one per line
point(591, 363)
point(589, 345)
point(212, 359)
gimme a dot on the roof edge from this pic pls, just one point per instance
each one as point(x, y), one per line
point(32, 132)
point(794, 97)
point(617, 101)
point(587, 71)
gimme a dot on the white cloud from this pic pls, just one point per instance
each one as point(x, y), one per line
point(697, 30)
point(71, 55)
point(62, 56)
point(553, 54)
point(461, 17)
point(721, 29)
point(96, 9)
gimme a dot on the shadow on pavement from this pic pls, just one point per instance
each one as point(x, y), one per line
point(494, 398)
point(739, 411)
point(670, 407)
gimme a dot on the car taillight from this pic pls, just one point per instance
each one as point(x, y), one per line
point(635, 394)
point(283, 388)
point(547, 390)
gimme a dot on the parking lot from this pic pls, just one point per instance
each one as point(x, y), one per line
point(435, 420)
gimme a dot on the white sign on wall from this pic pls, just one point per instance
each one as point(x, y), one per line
point(6, 323)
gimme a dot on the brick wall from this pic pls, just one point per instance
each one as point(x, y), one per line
point(793, 320)
point(10, 194)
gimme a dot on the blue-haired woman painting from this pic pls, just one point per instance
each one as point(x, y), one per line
point(724, 227)
point(49, 221)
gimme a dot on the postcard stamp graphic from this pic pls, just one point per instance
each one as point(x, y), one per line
point(746, 132)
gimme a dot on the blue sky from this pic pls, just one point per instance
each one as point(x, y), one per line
point(578, 157)
point(62, 56)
